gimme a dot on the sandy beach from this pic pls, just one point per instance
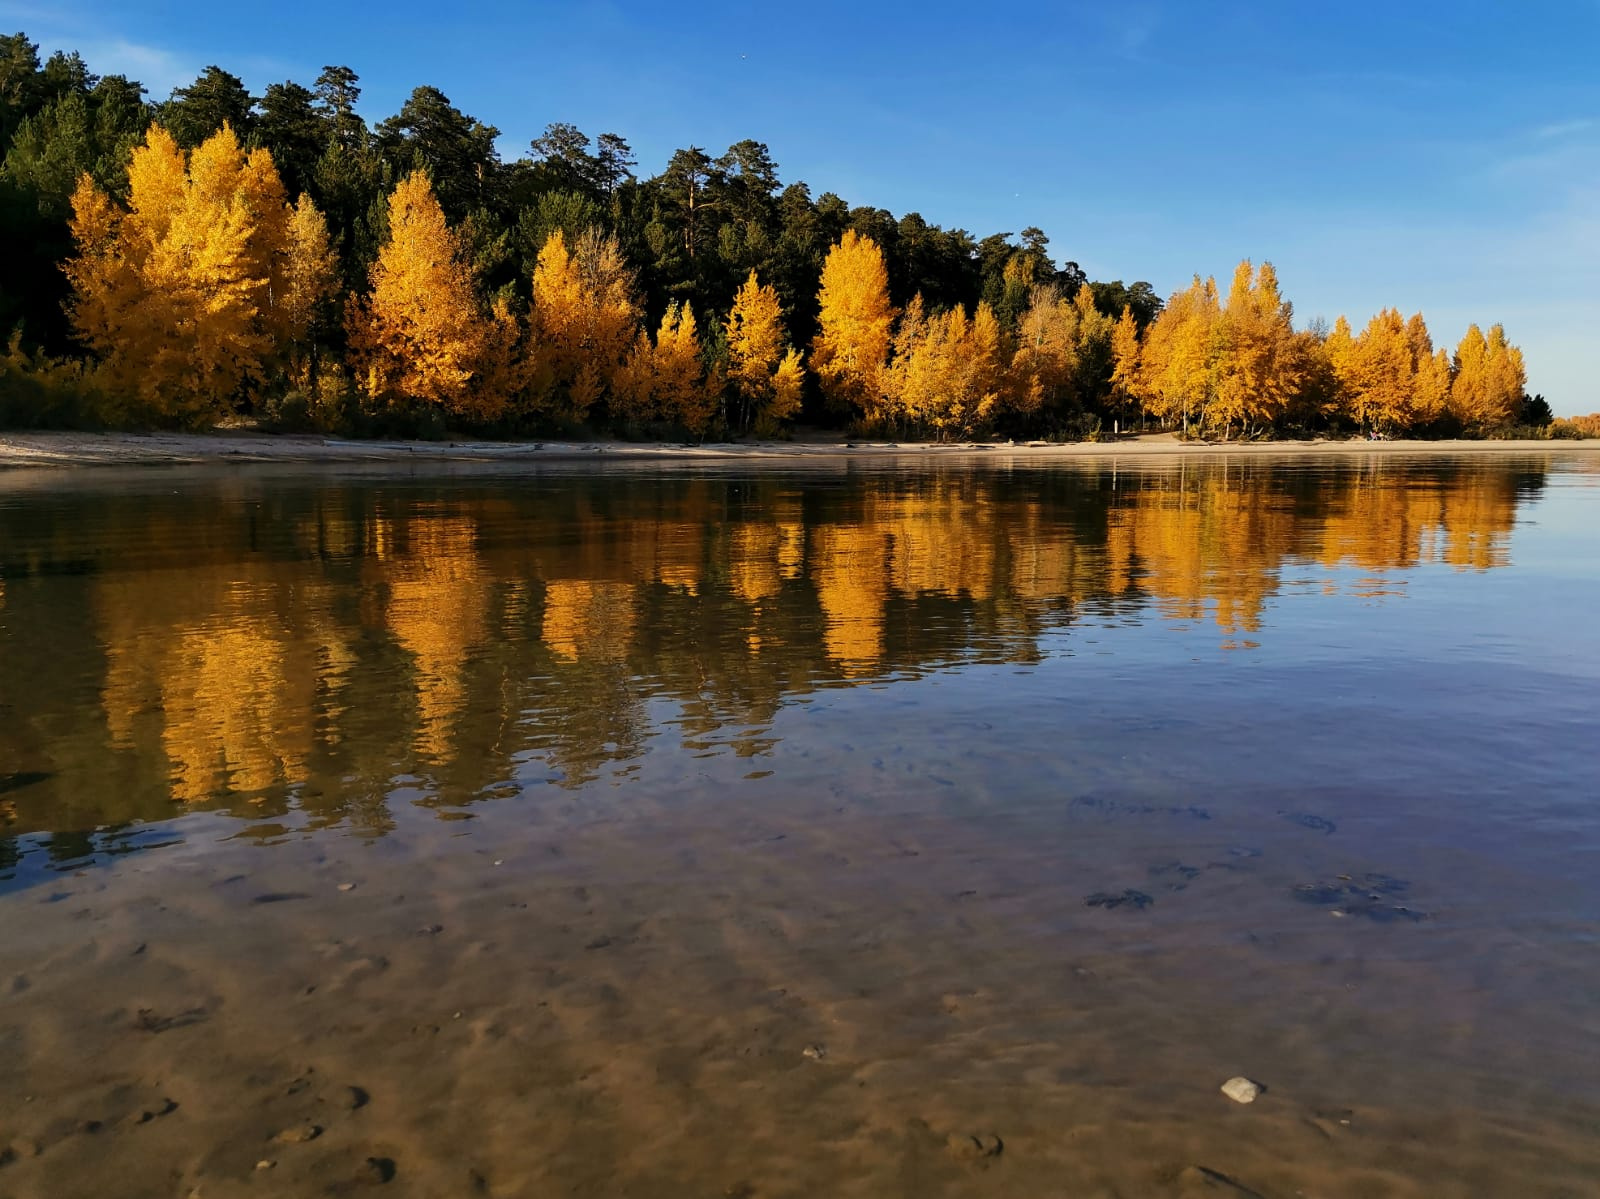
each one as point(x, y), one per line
point(36, 449)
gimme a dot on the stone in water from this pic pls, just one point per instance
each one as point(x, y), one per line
point(1241, 1090)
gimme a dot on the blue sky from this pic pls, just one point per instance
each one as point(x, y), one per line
point(1441, 157)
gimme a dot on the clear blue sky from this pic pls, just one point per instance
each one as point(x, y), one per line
point(1441, 157)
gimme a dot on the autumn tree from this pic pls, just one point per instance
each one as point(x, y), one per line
point(1125, 360)
point(585, 315)
point(1256, 366)
point(1176, 377)
point(421, 333)
point(764, 373)
point(947, 372)
point(854, 323)
point(308, 280)
point(1489, 379)
point(665, 379)
point(169, 293)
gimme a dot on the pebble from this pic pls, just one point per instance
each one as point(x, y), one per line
point(298, 1135)
point(1241, 1089)
point(815, 1052)
point(265, 1164)
point(347, 886)
point(970, 1148)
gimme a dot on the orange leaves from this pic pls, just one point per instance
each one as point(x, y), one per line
point(422, 333)
point(665, 380)
point(1489, 378)
point(765, 374)
point(171, 293)
point(852, 341)
point(585, 316)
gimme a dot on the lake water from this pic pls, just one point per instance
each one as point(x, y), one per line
point(880, 829)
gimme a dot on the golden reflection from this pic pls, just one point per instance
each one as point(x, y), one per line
point(331, 639)
point(850, 574)
point(436, 611)
point(584, 619)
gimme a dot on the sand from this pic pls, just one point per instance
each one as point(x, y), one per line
point(690, 999)
point(131, 449)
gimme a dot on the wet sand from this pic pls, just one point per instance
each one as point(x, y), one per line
point(132, 449)
point(685, 998)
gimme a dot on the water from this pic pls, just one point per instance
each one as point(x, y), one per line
point(559, 812)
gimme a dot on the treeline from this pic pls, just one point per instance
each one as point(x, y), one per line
point(276, 257)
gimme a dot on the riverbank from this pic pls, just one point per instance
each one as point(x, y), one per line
point(51, 449)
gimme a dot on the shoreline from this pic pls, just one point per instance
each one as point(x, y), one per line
point(74, 449)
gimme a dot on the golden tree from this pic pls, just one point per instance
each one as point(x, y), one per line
point(1489, 379)
point(168, 294)
point(1430, 374)
point(421, 333)
point(205, 285)
point(1257, 366)
point(764, 372)
point(854, 323)
point(1125, 359)
point(1176, 375)
point(585, 316)
point(946, 376)
point(666, 380)
point(308, 279)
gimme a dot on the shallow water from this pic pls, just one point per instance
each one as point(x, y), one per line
point(561, 812)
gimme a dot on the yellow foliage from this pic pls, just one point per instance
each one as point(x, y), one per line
point(1489, 378)
point(1125, 358)
point(1256, 364)
point(184, 297)
point(665, 380)
point(946, 375)
point(422, 334)
point(309, 276)
point(585, 316)
point(855, 318)
point(764, 372)
point(1175, 368)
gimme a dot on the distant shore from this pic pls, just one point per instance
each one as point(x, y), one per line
point(64, 449)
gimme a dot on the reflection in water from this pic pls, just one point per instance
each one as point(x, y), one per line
point(265, 645)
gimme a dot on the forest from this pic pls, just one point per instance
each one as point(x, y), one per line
point(275, 260)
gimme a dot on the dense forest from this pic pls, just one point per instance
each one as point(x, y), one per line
point(220, 255)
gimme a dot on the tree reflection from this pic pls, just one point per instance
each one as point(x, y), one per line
point(265, 646)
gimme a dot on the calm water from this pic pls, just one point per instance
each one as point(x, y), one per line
point(1068, 791)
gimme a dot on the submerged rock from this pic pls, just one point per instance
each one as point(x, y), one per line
point(1375, 896)
point(1241, 1090)
point(299, 1134)
point(965, 1147)
point(1130, 897)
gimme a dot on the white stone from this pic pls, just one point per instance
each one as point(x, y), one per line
point(1241, 1090)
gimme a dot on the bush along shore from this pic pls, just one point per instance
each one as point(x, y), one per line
point(218, 256)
